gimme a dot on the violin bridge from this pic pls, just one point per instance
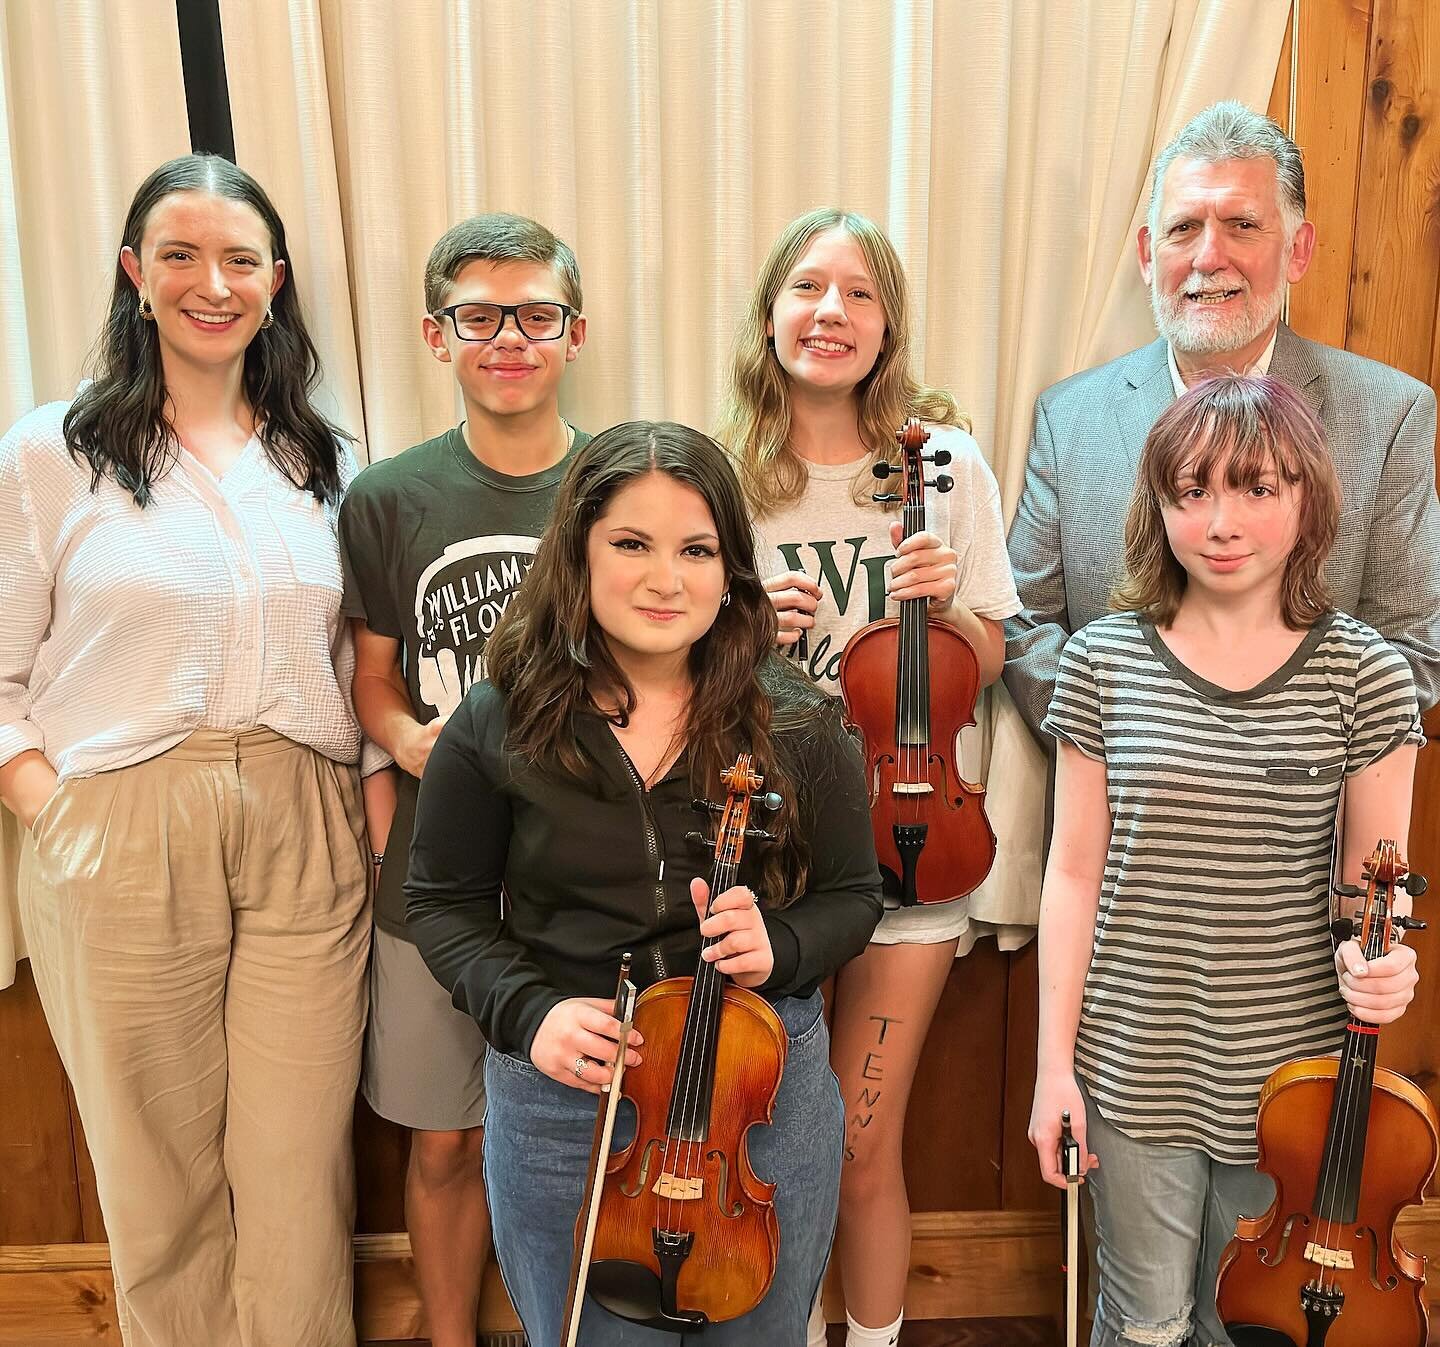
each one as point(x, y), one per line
point(1319, 1254)
point(678, 1189)
point(912, 788)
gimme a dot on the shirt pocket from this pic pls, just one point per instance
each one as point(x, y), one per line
point(1315, 772)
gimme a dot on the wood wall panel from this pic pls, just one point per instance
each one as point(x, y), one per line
point(39, 1198)
point(1278, 107)
point(1330, 100)
point(1396, 275)
point(1368, 91)
point(1021, 1184)
point(382, 1152)
point(91, 1220)
point(953, 1125)
point(1410, 1047)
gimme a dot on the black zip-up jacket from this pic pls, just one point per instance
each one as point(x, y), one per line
point(587, 875)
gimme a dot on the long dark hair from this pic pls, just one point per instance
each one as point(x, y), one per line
point(549, 656)
point(120, 423)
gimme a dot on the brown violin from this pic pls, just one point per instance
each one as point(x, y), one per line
point(910, 685)
point(1349, 1146)
point(685, 1233)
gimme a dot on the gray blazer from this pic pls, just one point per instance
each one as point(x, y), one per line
point(1067, 540)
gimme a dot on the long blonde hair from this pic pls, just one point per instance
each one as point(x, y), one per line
point(756, 420)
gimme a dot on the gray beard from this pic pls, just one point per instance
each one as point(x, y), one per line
point(1195, 334)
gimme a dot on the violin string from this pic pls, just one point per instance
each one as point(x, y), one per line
point(1328, 1192)
point(1329, 1187)
point(917, 639)
point(707, 1039)
point(912, 633)
point(692, 1065)
point(1352, 1153)
point(711, 997)
point(1338, 1164)
point(674, 1150)
point(1340, 1173)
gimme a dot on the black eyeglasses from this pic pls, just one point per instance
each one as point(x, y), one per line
point(540, 320)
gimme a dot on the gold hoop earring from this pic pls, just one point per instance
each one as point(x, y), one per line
point(147, 311)
point(268, 320)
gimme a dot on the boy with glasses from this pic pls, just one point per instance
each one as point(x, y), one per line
point(435, 542)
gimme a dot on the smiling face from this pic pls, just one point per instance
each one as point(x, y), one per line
point(1220, 257)
point(509, 375)
point(206, 268)
point(1234, 538)
point(827, 321)
point(656, 575)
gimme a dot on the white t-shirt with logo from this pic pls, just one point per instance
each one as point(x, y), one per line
point(845, 547)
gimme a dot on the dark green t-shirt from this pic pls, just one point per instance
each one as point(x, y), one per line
point(433, 545)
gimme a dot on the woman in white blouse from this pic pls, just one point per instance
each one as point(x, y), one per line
point(176, 737)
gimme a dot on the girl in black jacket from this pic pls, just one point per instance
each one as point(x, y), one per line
point(628, 671)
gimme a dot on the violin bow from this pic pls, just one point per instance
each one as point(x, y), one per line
point(1070, 1228)
point(605, 1112)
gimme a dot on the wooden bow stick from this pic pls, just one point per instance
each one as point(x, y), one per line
point(599, 1153)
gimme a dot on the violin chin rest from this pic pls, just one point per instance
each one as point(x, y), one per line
point(1252, 1335)
point(632, 1291)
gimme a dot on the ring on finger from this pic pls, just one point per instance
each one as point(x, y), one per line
point(579, 1067)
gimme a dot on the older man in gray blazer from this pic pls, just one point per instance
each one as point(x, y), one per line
point(1226, 232)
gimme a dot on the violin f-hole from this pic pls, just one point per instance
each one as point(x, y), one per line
point(722, 1188)
point(642, 1180)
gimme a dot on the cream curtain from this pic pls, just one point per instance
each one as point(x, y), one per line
point(1004, 145)
point(93, 100)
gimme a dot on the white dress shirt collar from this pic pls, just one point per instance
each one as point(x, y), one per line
point(1261, 366)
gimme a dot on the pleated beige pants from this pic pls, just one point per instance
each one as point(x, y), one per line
point(199, 926)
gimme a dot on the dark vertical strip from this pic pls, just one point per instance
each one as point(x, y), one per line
point(207, 94)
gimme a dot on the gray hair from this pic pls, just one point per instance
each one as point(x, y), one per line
point(1230, 130)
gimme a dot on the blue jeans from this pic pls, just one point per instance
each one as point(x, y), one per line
point(537, 1145)
point(1163, 1216)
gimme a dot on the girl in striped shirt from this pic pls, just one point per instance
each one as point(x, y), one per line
point(1205, 730)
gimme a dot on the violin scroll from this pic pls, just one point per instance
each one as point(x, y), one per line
point(911, 438)
point(1385, 870)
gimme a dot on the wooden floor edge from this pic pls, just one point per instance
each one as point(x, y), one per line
point(964, 1264)
point(926, 1225)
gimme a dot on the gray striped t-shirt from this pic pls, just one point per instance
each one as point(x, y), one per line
point(1212, 961)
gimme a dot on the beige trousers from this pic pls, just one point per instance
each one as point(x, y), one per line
point(199, 926)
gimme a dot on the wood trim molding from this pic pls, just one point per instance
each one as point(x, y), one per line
point(963, 1264)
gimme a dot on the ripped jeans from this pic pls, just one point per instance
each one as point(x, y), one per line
point(1163, 1216)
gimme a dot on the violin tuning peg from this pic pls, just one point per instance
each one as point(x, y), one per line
point(759, 835)
point(1415, 884)
point(939, 458)
point(943, 483)
point(882, 470)
point(885, 500)
point(1342, 929)
point(706, 806)
point(1349, 891)
point(700, 840)
point(1408, 923)
point(770, 801)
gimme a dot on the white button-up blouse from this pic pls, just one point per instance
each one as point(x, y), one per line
point(123, 629)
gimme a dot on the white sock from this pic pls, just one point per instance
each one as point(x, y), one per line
point(860, 1336)
point(815, 1329)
